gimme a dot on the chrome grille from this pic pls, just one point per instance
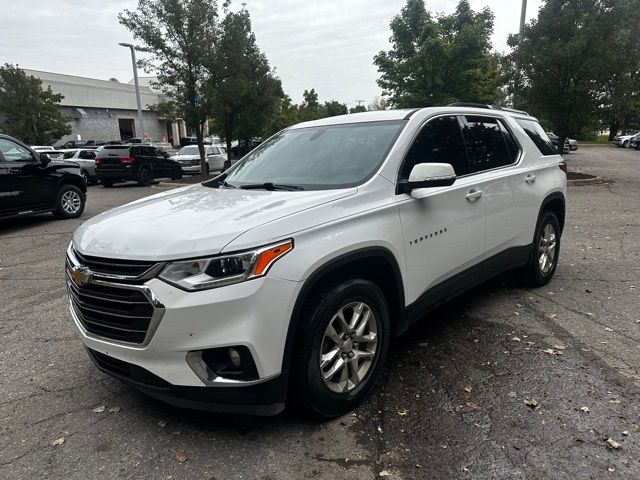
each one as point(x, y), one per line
point(109, 266)
point(121, 312)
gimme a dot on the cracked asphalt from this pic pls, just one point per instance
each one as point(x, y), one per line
point(505, 382)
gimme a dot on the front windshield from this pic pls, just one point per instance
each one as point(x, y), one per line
point(190, 150)
point(315, 158)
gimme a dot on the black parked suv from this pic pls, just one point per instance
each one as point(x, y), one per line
point(30, 182)
point(140, 163)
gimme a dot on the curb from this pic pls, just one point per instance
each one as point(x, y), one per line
point(165, 185)
point(585, 181)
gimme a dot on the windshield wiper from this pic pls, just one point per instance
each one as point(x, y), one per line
point(271, 186)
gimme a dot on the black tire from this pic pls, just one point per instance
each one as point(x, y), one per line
point(206, 168)
point(534, 273)
point(144, 177)
point(625, 144)
point(308, 389)
point(177, 173)
point(67, 196)
point(107, 183)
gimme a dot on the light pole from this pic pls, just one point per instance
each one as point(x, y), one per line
point(523, 16)
point(137, 85)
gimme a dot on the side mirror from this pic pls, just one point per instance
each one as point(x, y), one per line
point(45, 159)
point(428, 175)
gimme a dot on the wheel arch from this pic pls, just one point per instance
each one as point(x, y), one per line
point(554, 202)
point(376, 264)
point(75, 180)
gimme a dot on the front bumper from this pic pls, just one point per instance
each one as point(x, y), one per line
point(190, 168)
point(243, 314)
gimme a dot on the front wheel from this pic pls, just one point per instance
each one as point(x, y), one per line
point(341, 348)
point(70, 202)
point(177, 173)
point(625, 144)
point(546, 249)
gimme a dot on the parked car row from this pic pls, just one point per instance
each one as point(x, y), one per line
point(189, 159)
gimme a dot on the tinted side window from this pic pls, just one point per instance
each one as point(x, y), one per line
point(485, 142)
point(512, 143)
point(12, 152)
point(538, 136)
point(87, 154)
point(439, 141)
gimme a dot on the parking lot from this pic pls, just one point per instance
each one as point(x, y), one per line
point(505, 382)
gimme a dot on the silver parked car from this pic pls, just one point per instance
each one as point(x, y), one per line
point(86, 160)
point(189, 158)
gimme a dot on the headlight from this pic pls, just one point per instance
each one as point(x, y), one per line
point(212, 272)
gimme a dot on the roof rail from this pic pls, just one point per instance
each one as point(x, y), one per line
point(489, 107)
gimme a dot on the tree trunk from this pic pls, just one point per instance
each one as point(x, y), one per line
point(613, 131)
point(561, 139)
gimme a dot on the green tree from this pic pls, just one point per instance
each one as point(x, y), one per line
point(562, 59)
point(29, 112)
point(180, 38)
point(310, 109)
point(245, 91)
point(358, 109)
point(334, 108)
point(378, 103)
point(286, 114)
point(436, 60)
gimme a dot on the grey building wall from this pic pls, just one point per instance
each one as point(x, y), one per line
point(102, 124)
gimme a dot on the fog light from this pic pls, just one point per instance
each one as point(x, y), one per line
point(234, 356)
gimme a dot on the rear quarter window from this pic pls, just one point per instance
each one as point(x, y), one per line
point(538, 136)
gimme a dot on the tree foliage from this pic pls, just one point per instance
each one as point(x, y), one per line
point(334, 108)
point(436, 60)
point(29, 112)
point(246, 94)
point(179, 37)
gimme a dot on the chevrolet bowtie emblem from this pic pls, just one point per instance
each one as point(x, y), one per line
point(81, 275)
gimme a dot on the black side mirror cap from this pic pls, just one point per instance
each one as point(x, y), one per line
point(45, 159)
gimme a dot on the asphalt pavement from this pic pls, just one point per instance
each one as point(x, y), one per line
point(505, 382)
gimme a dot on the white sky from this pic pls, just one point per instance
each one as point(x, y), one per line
point(323, 44)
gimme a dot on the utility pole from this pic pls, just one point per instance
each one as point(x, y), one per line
point(359, 102)
point(137, 85)
point(523, 16)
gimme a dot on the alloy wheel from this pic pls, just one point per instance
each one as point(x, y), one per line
point(547, 249)
point(349, 347)
point(71, 202)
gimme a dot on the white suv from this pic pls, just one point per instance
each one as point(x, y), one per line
point(286, 276)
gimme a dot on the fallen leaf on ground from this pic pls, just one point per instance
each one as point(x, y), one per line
point(552, 351)
point(58, 441)
point(115, 409)
point(181, 456)
point(99, 409)
point(614, 401)
point(467, 388)
point(473, 405)
point(162, 423)
point(444, 446)
point(559, 346)
point(383, 473)
point(518, 305)
point(551, 316)
point(516, 339)
point(380, 429)
point(636, 425)
point(612, 444)
point(626, 433)
point(530, 402)
point(585, 409)
point(402, 413)
point(607, 329)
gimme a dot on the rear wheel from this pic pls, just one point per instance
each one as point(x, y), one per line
point(546, 249)
point(107, 183)
point(70, 202)
point(341, 349)
point(176, 173)
point(144, 177)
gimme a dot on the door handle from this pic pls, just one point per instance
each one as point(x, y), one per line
point(473, 195)
point(530, 179)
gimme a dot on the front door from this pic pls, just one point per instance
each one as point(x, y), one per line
point(31, 186)
point(444, 231)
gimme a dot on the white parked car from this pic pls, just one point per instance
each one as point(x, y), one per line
point(189, 158)
point(86, 160)
point(287, 276)
point(623, 140)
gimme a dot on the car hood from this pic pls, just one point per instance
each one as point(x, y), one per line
point(190, 222)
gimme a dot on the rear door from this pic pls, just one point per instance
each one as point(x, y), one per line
point(6, 190)
point(511, 206)
point(444, 231)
